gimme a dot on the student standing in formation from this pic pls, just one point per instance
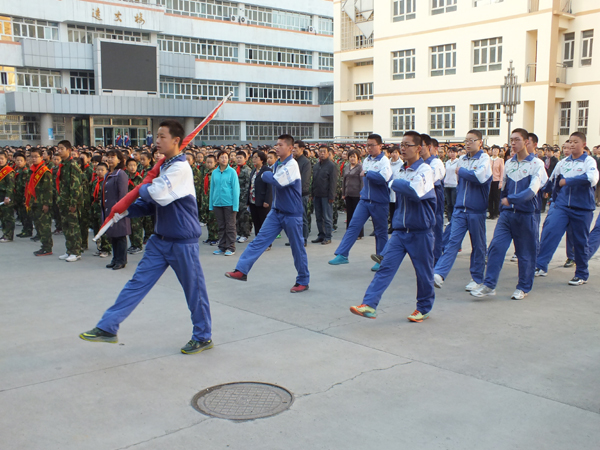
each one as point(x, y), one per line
point(21, 179)
point(285, 214)
point(474, 179)
point(225, 202)
point(70, 200)
point(497, 165)
point(172, 198)
point(374, 202)
point(38, 200)
point(450, 182)
point(414, 219)
point(323, 192)
point(576, 178)
point(439, 171)
point(524, 174)
point(7, 187)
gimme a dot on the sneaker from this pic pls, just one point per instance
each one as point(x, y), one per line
point(317, 241)
point(35, 238)
point(96, 253)
point(298, 288)
point(25, 235)
point(483, 291)
point(218, 252)
point(63, 257)
point(326, 242)
point(237, 275)
point(229, 253)
point(569, 263)
point(73, 258)
point(518, 295)
point(364, 310)
point(202, 224)
point(376, 267)
point(42, 252)
point(576, 281)
point(514, 258)
point(472, 286)
point(57, 232)
point(214, 242)
point(104, 254)
point(193, 346)
point(130, 249)
point(377, 258)
point(242, 239)
point(438, 281)
point(540, 273)
point(339, 259)
point(416, 316)
point(4, 239)
point(98, 335)
point(278, 236)
point(135, 251)
point(207, 242)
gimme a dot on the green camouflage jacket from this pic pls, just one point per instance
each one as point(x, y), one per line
point(70, 193)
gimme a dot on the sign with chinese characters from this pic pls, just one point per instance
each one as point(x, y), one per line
point(139, 16)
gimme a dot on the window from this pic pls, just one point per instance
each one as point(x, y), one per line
point(442, 6)
point(583, 110)
point(35, 80)
point(404, 10)
point(325, 131)
point(486, 118)
point(199, 48)
point(442, 121)
point(487, 54)
point(569, 49)
point(289, 20)
point(443, 60)
point(58, 125)
point(220, 130)
point(9, 128)
point(325, 26)
point(30, 128)
point(565, 119)
point(362, 135)
point(485, 2)
point(270, 93)
point(363, 63)
point(403, 64)
point(276, 56)
point(5, 29)
point(206, 9)
point(190, 89)
point(34, 29)
point(8, 79)
point(326, 61)
point(86, 35)
point(83, 83)
point(587, 42)
point(363, 91)
point(403, 120)
point(269, 131)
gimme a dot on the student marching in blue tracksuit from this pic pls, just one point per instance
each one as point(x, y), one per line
point(286, 214)
point(439, 172)
point(412, 224)
point(524, 174)
point(473, 190)
point(594, 240)
point(374, 203)
point(171, 198)
point(576, 178)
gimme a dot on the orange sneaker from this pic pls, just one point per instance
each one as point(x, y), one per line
point(364, 310)
point(417, 316)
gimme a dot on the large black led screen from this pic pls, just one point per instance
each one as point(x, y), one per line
point(128, 67)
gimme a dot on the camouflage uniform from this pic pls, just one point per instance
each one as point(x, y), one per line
point(7, 212)
point(338, 203)
point(21, 180)
point(244, 221)
point(136, 238)
point(96, 205)
point(55, 210)
point(43, 220)
point(197, 187)
point(208, 217)
point(147, 221)
point(70, 195)
point(86, 212)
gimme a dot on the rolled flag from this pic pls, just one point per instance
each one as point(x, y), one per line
point(122, 205)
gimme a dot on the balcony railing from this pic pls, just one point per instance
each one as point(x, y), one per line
point(561, 73)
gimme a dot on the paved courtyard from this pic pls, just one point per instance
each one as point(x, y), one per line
point(479, 374)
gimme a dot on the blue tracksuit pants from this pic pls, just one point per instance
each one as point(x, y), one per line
point(419, 246)
point(594, 240)
point(522, 229)
point(569, 241)
point(438, 230)
point(461, 223)
point(365, 209)
point(554, 228)
point(272, 226)
point(159, 255)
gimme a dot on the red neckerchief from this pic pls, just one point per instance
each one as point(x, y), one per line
point(37, 172)
point(86, 166)
point(96, 190)
point(238, 168)
point(137, 174)
point(342, 167)
point(206, 183)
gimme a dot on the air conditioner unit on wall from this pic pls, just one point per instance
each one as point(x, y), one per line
point(312, 30)
point(243, 19)
point(234, 18)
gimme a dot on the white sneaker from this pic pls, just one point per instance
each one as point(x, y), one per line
point(472, 286)
point(63, 257)
point(242, 239)
point(540, 273)
point(518, 295)
point(202, 224)
point(514, 258)
point(73, 258)
point(438, 281)
point(483, 291)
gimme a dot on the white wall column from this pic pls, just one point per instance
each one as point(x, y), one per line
point(315, 92)
point(315, 131)
point(241, 52)
point(45, 124)
point(242, 130)
point(242, 92)
point(315, 61)
point(188, 125)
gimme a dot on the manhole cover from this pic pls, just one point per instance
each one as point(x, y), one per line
point(243, 401)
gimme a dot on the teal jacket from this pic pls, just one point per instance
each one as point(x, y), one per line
point(224, 189)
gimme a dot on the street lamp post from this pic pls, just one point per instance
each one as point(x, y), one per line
point(511, 96)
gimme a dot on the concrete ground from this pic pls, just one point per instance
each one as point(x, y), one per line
point(479, 374)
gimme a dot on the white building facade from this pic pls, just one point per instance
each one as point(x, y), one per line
point(437, 66)
point(276, 57)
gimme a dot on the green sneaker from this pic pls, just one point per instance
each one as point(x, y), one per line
point(196, 346)
point(98, 335)
point(364, 310)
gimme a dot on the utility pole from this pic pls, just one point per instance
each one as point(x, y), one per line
point(511, 96)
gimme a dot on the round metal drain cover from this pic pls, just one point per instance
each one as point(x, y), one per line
point(243, 401)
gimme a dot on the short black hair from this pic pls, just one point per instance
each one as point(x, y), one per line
point(36, 150)
point(476, 133)
point(66, 144)
point(435, 142)
point(376, 138)
point(425, 138)
point(287, 138)
point(533, 137)
point(416, 137)
point(261, 155)
point(131, 160)
point(523, 132)
point(211, 157)
point(19, 154)
point(175, 129)
point(119, 155)
point(580, 135)
point(242, 153)
point(102, 164)
point(222, 152)
point(301, 144)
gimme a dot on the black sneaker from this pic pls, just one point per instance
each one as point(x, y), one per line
point(576, 281)
point(569, 263)
point(24, 235)
point(135, 251)
point(36, 238)
point(207, 242)
point(193, 346)
point(42, 252)
point(98, 335)
point(377, 258)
